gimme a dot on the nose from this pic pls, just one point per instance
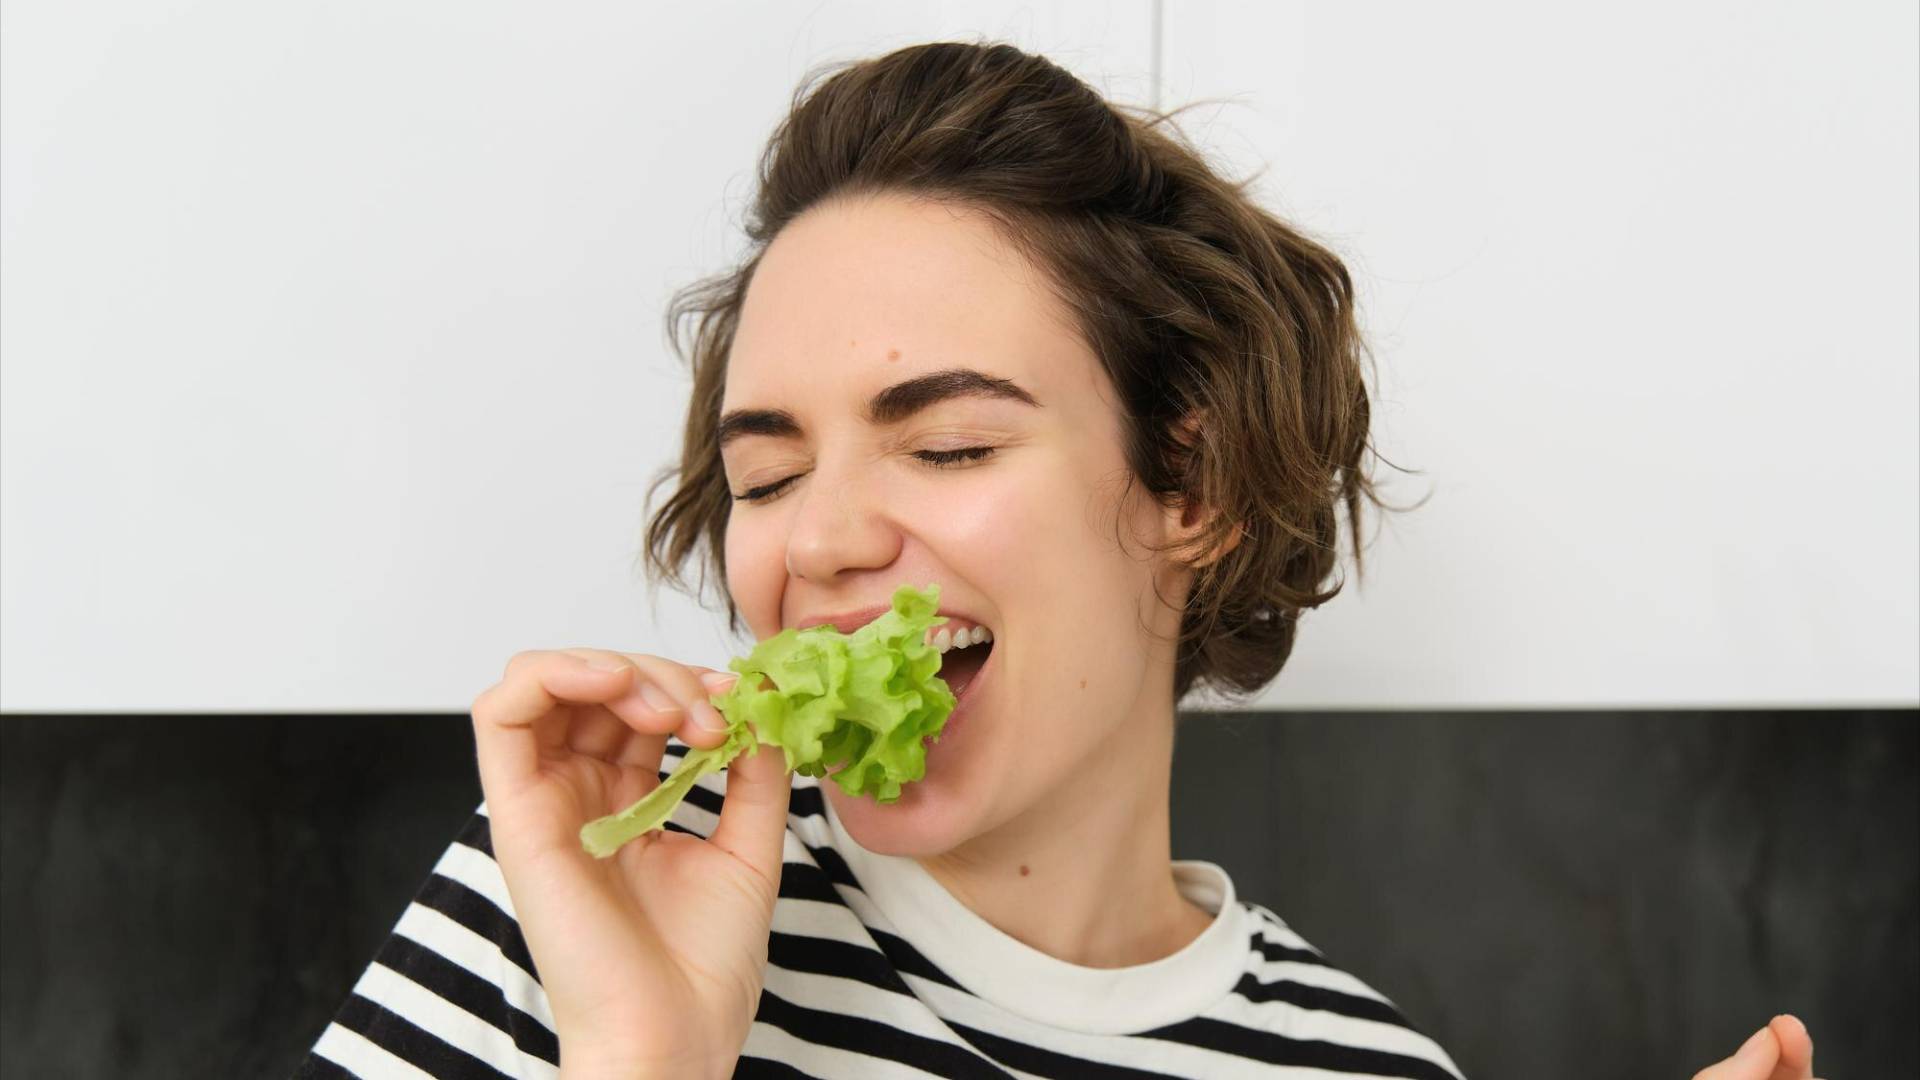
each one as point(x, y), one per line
point(840, 525)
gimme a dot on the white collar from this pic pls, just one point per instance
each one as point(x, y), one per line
point(1029, 983)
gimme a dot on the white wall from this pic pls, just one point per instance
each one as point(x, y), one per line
point(332, 366)
point(1644, 279)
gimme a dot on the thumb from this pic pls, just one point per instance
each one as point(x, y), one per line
point(1796, 1048)
point(1753, 1061)
point(753, 817)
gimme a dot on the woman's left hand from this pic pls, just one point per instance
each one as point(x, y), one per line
point(1780, 1051)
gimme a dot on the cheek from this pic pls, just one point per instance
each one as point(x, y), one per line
point(1073, 541)
point(1054, 553)
point(756, 574)
point(979, 528)
point(1083, 594)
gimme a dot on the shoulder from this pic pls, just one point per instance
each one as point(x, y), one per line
point(1301, 1009)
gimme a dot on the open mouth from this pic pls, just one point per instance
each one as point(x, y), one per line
point(964, 646)
point(959, 666)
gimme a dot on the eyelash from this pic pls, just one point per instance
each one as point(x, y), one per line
point(937, 459)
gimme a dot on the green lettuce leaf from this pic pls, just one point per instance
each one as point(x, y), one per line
point(865, 701)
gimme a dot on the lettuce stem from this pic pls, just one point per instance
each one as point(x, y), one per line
point(602, 837)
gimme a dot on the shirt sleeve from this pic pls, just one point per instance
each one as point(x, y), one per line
point(452, 992)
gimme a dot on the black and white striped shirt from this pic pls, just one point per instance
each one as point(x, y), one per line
point(874, 970)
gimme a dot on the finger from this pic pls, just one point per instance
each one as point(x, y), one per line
point(608, 734)
point(716, 683)
point(753, 818)
point(1796, 1048)
point(508, 728)
point(1753, 1061)
point(668, 698)
point(648, 754)
point(600, 733)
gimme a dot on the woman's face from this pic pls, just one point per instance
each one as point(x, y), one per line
point(852, 299)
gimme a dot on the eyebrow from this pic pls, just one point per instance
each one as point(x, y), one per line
point(889, 406)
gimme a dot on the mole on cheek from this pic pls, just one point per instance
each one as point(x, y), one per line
point(1083, 684)
point(1023, 871)
point(893, 354)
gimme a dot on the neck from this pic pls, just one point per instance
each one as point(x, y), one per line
point(1087, 875)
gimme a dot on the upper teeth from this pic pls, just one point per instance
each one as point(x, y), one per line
point(947, 638)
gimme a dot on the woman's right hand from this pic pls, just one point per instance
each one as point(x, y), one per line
point(653, 959)
point(1783, 1050)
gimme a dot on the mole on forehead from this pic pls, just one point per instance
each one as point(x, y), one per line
point(892, 354)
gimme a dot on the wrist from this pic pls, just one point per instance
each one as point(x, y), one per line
point(597, 1067)
point(610, 1071)
point(585, 1067)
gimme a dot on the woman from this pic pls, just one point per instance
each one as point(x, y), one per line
point(996, 336)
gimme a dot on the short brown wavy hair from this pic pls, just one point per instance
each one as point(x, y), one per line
point(1200, 305)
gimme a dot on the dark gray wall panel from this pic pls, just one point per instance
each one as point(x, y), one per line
point(1587, 894)
point(1569, 894)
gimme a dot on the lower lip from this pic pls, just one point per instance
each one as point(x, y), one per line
point(968, 695)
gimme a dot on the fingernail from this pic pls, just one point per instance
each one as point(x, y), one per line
point(717, 681)
point(709, 717)
point(606, 663)
point(659, 700)
point(1752, 1044)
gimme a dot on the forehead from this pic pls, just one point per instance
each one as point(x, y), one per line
point(855, 295)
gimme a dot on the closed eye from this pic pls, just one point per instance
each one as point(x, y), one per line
point(937, 459)
point(947, 459)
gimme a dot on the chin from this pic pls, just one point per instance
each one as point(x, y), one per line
point(927, 819)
